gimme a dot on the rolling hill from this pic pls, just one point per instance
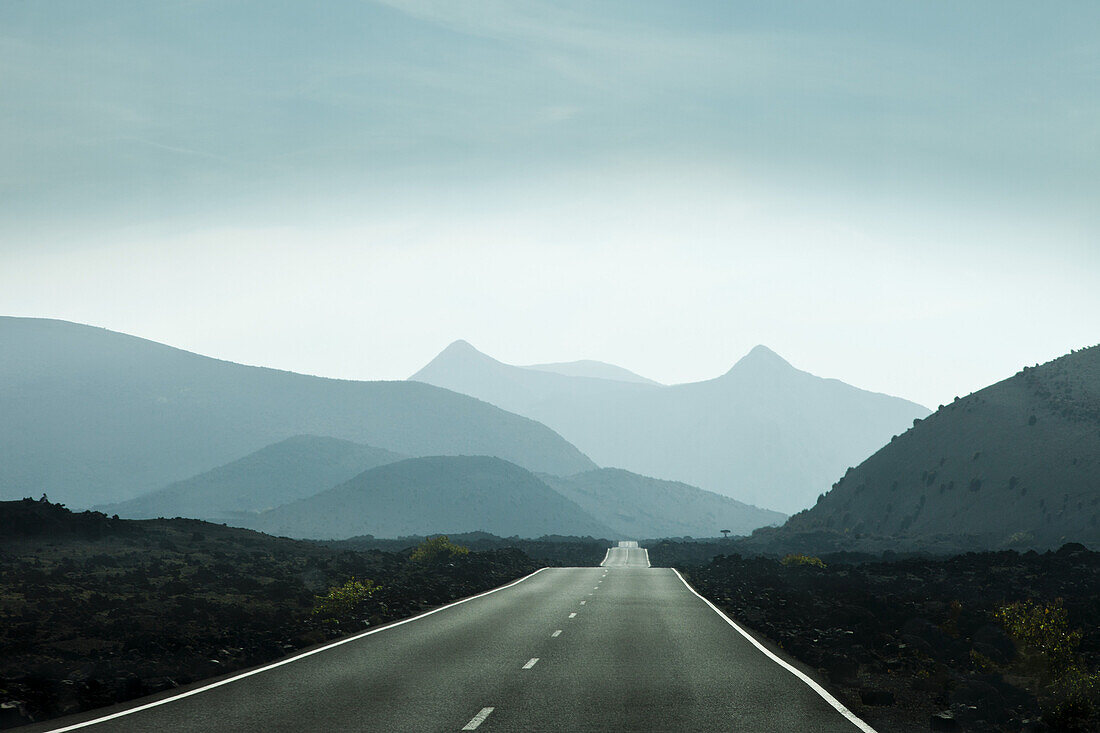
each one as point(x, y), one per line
point(1016, 464)
point(278, 474)
point(764, 433)
point(91, 416)
point(643, 507)
point(432, 495)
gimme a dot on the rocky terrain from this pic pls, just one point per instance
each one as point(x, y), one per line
point(95, 610)
point(555, 551)
point(977, 642)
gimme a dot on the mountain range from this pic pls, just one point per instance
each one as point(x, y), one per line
point(764, 433)
point(279, 487)
point(90, 416)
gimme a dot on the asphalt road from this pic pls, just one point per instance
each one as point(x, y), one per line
point(623, 647)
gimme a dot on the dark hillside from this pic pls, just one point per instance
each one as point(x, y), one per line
point(1016, 464)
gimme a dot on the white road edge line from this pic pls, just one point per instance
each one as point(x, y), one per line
point(647, 558)
point(556, 634)
point(605, 556)
point(288, 660)
point(478, 719)
point(852, 717)
point(531, 662)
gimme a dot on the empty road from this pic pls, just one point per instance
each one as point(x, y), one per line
point(622, 647)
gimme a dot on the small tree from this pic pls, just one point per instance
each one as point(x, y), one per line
point(726, 533)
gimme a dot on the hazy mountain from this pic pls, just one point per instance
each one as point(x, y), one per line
point(594, 369)
point(90, 416)
point(432, 495)
point(289, 470)
point(643, 507)
point(462, 368)
point(1017, 463)
point(764, 432)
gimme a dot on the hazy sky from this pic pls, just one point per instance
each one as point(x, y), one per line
point(902, 195)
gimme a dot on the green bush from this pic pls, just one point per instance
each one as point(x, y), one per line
point(342, 601)
point(435, 549)
point(1069, 693)
point(1042, 633)
point(797, 558)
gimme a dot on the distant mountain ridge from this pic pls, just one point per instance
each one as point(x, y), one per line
point(90, 416)
point(277, 474)
point(592, 369)
point(764, 432)
point(643, 507)
point(431, 495)
point(1016, 464)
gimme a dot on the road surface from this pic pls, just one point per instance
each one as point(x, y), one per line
point(622, 647)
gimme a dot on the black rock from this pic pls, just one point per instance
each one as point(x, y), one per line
point(992, 641)
point(870, 696)
point(840, 668)
point(944, 721)
point(12, 713)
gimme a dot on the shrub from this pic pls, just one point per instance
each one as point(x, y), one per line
point(435, 549)
point(342, 601)
point(1070, 693)
point(1042, 632)
point(797, 558)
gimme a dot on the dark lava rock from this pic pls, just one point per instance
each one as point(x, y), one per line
point(870, 696)
point(992, 642)
point(944, 721)
point(840, 667)
point(13, 713)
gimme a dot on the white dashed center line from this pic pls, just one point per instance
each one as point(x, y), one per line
point(572, 615)
point(583, 602)
point(478, 719)
point(556, 634)
point(531, 662)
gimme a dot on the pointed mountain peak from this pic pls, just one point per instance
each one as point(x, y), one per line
point(460, 355)
point(761, 358)
point(461, 346)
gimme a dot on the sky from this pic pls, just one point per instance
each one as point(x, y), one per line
point(900, 195)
